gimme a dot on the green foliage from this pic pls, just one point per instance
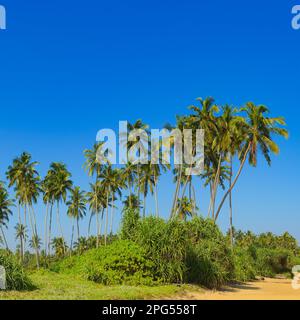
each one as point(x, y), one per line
point(270, 262)
point(122, 262)
point(200, 229)
point(209, 263)
point(244, 265)
point(129, 223)
point(165, 245)
point(16, 278)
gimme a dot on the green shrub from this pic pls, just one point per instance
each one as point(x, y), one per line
point(129, 223)
point(209, 264)
point(200, 229)
point(165, 245)
point(122, 262)
point(16, 278)
point(270, 262)
point(244, 265)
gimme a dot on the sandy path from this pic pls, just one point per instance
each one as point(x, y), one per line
point(269, 289)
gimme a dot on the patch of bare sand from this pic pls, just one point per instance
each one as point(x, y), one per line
point(269, 289)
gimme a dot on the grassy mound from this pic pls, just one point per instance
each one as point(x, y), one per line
point(122, 262)
point(16, 278)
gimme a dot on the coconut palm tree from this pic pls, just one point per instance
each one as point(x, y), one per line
point(137, 148)
point(5, 211)
point(132, 202)
point(107, 177)
point(48, 199)
point(258, 136)
point(22, 175)
point(81, 245)
point(185, 208)
point(97, 204)
point(61, 184)
point(21, 235)
point(147, 183)
point(36, 243)
point(59, 246)
point(93, 165)
point(76, 208)
point(117, 185)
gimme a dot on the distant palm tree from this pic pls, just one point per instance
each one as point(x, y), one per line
point(147, 183)
point(59, 246)
point(97, 203)
point(93, 165)
point(107, 177)
point(81, 245)
point(76, 208)
point(138, 146)
point(185, 208)
point(47, 187)
point(117, 185)
point(132, 202)
point(61, 185)
point(5, 211)
point(36, 243)
point(21, 235)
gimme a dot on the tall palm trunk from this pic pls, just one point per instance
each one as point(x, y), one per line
point(144, 206)
point(34, 237)
point(194, 199)
point(36, 234)
point(4, 238)
point(234, 182)
point(230, 203)
point(97, 211)
point(21, 249)
point(59, 225)
point(50, 229)
point(112, 214)
point(215, 186)
point(78, 230)
point(46, 228)
point(107, 216)
point(19, 213)
point(156, 197)
point(176, 192)
point(72, 238)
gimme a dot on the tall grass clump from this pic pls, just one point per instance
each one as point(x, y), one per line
point(16, 278)
point(165, 245)
point(122, 262)
point(209, 260)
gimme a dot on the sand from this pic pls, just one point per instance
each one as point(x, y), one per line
point(269, 289)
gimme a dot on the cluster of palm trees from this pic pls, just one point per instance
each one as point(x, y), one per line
point(230, 134)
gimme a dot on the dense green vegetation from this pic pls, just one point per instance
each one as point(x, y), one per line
point(16, 278)
point(148, 250)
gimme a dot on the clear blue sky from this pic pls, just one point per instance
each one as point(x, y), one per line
point(70, 68)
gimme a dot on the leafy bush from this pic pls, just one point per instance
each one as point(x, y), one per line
point(122, 262)
point(129, 223)
point(165, 245)
point(16, 278)
point(270, 262)
point(244, 265)
point(209, 264)
point(200, 229)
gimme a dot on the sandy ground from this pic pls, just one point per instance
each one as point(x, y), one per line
point(269, 289)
